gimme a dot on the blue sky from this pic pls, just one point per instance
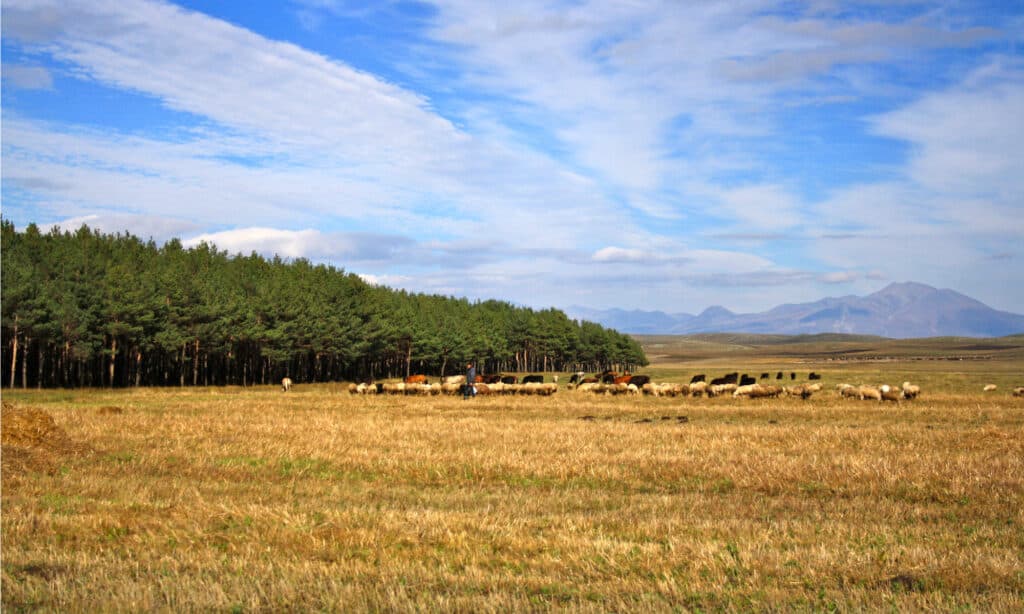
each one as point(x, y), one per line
point(642, 155)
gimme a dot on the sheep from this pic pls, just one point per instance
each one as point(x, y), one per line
point(286, 384)
point(757, 391)
point(869, 393)
point(744, 390)
point(989, 388)
point(698, 388)
point(395, 388)
point(804, 391)
point(720, 389)
point(910, 391)
point(587, 387)
point(889, 393)
point(363, 388)
point(451, 389)
point(454, 379)
point(848, 391)
point(662, 390)
point(765, 391)
point(1018, 391)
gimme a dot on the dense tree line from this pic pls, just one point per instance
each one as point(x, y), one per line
point(90, 309)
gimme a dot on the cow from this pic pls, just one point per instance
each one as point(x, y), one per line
point(622, 379)
point(609, 378)
point(577, 377)
point(416, 379)
point(533, 379)
point(640, 380)
point(286, 384)
point(746, 380)
point(729, 378)
point(454, 379)
point(792, 375)
point(764, 376)
point(813, 376)
point(492, 379)
point(697, 378)
point(509, 379)
point(778, 375)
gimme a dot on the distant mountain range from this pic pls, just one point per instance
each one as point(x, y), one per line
point(900, 310)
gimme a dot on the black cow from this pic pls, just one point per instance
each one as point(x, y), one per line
point(746, 380)
point(813, 375)
point(640, 380)
point(608, 378)
point(792, 376)
point(764, 376)
point(778, 375)
point(510, 379)
point(697, 378)
point(729, 378)
point(533, 379)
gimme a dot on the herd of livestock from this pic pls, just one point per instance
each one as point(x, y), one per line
point(611, 383)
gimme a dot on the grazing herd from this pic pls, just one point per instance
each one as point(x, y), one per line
point(612, 383)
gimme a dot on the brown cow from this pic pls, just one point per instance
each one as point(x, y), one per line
point(416, 379)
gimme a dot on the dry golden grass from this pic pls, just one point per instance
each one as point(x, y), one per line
point(255, 500)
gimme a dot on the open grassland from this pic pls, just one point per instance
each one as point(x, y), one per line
point(236, 499)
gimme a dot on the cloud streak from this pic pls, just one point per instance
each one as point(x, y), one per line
point(659, 156)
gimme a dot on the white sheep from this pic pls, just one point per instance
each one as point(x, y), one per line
point(286, 384)
point(869, 392)
point(989, 388)
point(910, 391)
point(889, 393)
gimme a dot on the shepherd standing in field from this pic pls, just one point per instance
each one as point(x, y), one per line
point(469, 389)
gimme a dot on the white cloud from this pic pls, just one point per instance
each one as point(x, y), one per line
point(655, 115)
point(28, 77)
point(966, 140)
point(618, 254)
point(145, 227)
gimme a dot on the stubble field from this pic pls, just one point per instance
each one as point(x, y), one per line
point(237, 499)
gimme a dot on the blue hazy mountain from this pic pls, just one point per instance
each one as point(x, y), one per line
point(899, 310)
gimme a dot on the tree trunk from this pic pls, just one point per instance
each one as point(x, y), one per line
point(138, 366)
point(181, 366)
point(14, 351)
point(39, 368)
point(24, 363)
point(113, 358)
point(195, 364)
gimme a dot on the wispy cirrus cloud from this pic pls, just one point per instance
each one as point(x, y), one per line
point(537, 150)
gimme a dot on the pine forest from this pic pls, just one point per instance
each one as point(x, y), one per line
point(85, 308)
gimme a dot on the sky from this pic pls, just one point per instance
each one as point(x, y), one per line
point(637, 155)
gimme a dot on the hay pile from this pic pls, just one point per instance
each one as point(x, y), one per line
point(32, 442)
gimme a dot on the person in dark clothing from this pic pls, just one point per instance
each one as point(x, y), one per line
point(469, 389)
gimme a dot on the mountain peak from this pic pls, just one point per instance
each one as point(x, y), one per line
point(716, 311)
point(900, 310)
point(905, 290)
